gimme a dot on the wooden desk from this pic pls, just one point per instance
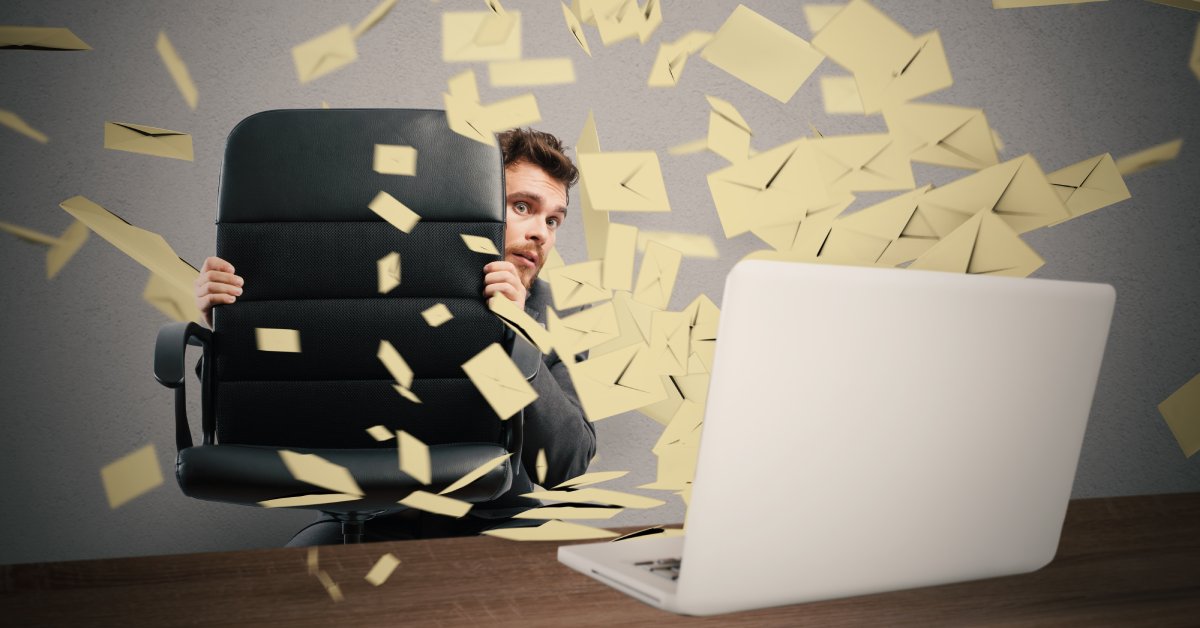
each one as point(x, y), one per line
point(1122, 561)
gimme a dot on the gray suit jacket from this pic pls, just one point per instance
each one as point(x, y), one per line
point(554, 422)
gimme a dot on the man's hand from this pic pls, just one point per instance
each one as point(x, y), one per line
point(216, 284)
point(501, 278)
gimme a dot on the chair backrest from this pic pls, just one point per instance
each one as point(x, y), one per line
point(294, 221)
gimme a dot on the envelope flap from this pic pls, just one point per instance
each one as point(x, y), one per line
point(998, 249)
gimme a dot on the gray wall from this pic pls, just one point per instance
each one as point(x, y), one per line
point(1064, 83)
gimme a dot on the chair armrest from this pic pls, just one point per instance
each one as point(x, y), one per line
point(169, 350)
point(526, 356)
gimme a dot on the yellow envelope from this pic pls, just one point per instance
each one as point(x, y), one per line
point(576, 29)
point(624, 181)
point(598, 495)
point(669, 348)
point(62, 248)
point(373, 18)
point(595, 221)
point(474, 474)
point(618, 21)
point(549, 71)
point(656, 279)
point(437, 315)
point(479, 244)
point(840, 95)
point(633, 322)
point(467, 117)
point(146, 248)
point(943, 135)
point(147, 140)
point(481, 36)
point(398, 368)
point(414, 457)
point(1089, 185)
point(14, 122)
point(178, 70)
point(728, 132)
point(577, 284)
point(818, 15)
point(1182, 413)
point(762, 54)
point(178, 305)
point(521, 323)
point(703, 318)
point(398, 214)
point(1015, 190)
point(315, 470)
point(1150, 157)
point(388, 272)
point(499, 381)
point(582, 331)
point(881, 233)
point(278, 340)
point(552, 530)
point(924, 71)
point(436, 504)
point(391, 159)
point(381, 433)
point(771, 187)
point(689, 244)
point(672, 57)
point(39, 38)
point(383, 568)
point(867, 162)
point(984, 245)
point(131, 476)
point(325, 53)
point(807, 235)
point(616, 382)
point(620, 249)
point(594, 477)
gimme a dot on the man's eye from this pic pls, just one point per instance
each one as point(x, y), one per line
point(553, 222)
point(520, 207)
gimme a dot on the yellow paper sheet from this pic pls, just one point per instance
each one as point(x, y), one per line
point(1182, 413)
point(324, 54)
point(762, 54)
point(382, 570)
point(398, 214)
point(391, 159)
point(177, 304)
point(178, 69)
point(315, 470)
point(14, 122)
point(436, 504)
point(381, 433)
point(414, 457)
point(278, 340)
point(475, 474)
point(550, 71)
point(148, 140)
point(552, 531)
point(437, 315)
point(131, 476)
point(499, 381)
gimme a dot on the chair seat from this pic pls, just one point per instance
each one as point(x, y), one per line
point(249, 474)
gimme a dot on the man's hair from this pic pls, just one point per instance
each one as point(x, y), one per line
point(540, 149)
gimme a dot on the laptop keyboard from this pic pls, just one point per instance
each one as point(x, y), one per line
point(665, 567)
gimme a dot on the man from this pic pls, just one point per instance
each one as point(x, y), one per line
point(537, 176)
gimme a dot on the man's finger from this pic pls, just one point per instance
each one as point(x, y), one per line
point(216, 276)
point(216, 263)
point(501, 276)
point(207, 301)
point(499, 266)
point(213, 287)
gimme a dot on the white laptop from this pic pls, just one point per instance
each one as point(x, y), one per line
point(873, 429)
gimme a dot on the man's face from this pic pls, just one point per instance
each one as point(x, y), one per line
point(537, 206)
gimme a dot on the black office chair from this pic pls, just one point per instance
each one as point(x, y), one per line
point(293, 219)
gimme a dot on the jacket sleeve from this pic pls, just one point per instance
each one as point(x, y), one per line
point(555, 423)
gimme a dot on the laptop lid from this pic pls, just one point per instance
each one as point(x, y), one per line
point(875, 429)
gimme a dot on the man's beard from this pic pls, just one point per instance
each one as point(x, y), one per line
point(527, 275)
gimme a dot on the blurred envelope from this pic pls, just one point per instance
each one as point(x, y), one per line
point(481, 36)
point(624, 181)
point(868, 162)
point(633, 320)
point(388, 272)
point(62, 248)
point(178, 69)
point(325, 53)
point(728, 132)
point(499, 381)
point(984, 245)
point(1182, 413)
point(769, 188)
point(923, 72)
point(669, 342)
point(147, 140)
point(582, 331)
point(943, 135)
point(616, 382)
point(576, 29)
point(840, 94)
point(577, 284)
point(391, 159)
point(475, 474)
point(479, 244)
point(39, 38)
point(600, 496)
point(1089, 185)
point(179, 305)
point(594, 477)
point(14, 122)
point(807, 235)
point(436, 504)
point(877, 234)
point(521, 322)
point(315, 470)
point(672, 57)
point(689, 244)
point(1015, 190)
point(146, 248)
point(1150, 157)
point(552, 530)
point(378, 13)
point(620, 248)
point(656, 279)
point(762, 53)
